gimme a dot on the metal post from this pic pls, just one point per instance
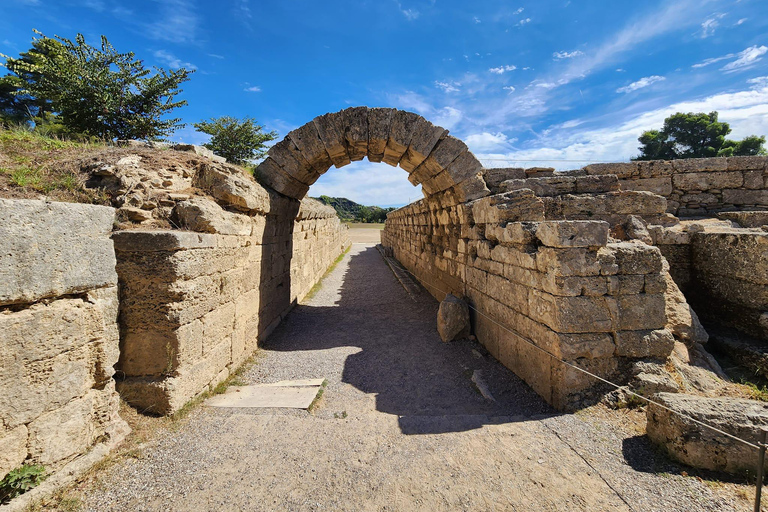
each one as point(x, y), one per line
point(760, 464)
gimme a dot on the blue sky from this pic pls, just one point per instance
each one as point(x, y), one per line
point(557, 83)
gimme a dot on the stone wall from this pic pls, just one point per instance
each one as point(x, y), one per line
point(194, 305)
point(58, 333)
point(699, 186)
point(535, 283)
point(730, 278)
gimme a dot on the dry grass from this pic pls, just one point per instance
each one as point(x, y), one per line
point(32, 165)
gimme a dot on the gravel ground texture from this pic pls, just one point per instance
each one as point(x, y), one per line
point(400, 426)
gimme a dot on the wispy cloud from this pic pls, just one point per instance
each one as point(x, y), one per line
point(709, 25)
point(177, 22)
point(476, 19)
point(253, 88)
point(410, 14)
point(519, 11)
point(502, 69)
point(215, 55)
point(486, 141)
point(448, 86)
point(746, 59)
point(509, 88)
point(522, 22)
point(640, 84)
point(758, 82)
point(741, 21)
point(707, 62)
point(172, 61)
point(567, 55)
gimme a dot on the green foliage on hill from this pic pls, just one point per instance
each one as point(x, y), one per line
point(350, 211)
point(237, 140)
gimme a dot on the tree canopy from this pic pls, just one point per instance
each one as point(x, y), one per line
point(237, 140)
point(92, 91)
point(695, 135)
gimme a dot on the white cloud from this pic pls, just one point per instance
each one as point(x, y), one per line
point(758, 82)
point(519, 11)
point(741, 21)
point(410, 14)
point(567, 55)
point(502, 69)
point(746, 59)
point(253, 88)
point(544, 85)
point(367, 183)
point(448, 86)
point(746, 112)
point(509, 88)
point(476, 19)
point(522, 22)
point(485, 141)
point(640, 84)
point(707, 62)
point(215, 55)
point(177, 22)
point(709, 25)
point(172, 61)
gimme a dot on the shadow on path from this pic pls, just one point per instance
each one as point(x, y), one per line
point(426, 382)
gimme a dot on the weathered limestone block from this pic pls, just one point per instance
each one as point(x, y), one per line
point(597, 184)
point(379, 121)
point(49, 249)
point(707, 180)
point(292, 161)
point(494, 177)
point(470, 189)
point(508, 207)
point(464, 167)
point(571, 314)
point(234, 189)
point(446, 151)
point(753, 219)
point(636, 258)
point(682, 320)
point(573, 233)
point(332, 134)
point(745, 197)
point(644, 343)
point(453, 319)
point(13, 449)
point(205, 216)
point(661, 186)
point(734, 253)
point(270, 174)
point(425, 137)
point(62, 433)
point(621, 170)
point(400, 134)
point(355, 122)
point(691, 165)
point(308, 141)
point(700, 447)
point(634, 312)
point(546, 186)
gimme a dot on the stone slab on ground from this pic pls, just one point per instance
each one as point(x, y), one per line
point(296, 394)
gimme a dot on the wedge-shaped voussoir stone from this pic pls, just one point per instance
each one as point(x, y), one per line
point(471, 189)
point(464, 167)
point(400, 134)
point(446, 151)
point(290, 159)
point(332, 134)
point(269, 174)
point(425, 137)
point(355, 123)
point(308, 141)
point(379, 121)
point(573, 233)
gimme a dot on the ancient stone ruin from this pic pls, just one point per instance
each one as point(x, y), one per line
point(595, 267)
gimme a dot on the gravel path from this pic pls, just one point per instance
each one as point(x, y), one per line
point(400, 427)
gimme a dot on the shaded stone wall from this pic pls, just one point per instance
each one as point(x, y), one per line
point(698, 186)
point(558, 284)
point(58, 332)
point(730, 278)
point(194, 306)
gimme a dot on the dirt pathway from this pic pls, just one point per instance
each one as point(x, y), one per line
point(400, 427)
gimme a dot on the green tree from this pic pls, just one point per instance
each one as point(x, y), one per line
point(237, 140)
point(94, 91)
point(695, 135)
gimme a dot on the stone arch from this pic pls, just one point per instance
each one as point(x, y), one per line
point(432, 158)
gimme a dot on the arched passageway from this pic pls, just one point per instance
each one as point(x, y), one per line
point(432, 157)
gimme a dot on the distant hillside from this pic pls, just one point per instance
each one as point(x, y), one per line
point(351, 211)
